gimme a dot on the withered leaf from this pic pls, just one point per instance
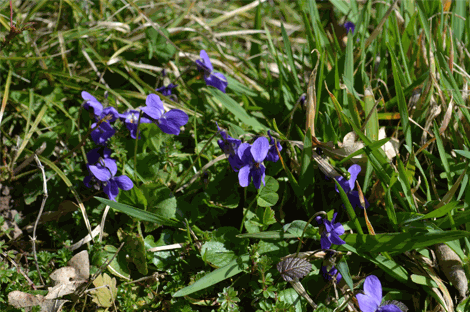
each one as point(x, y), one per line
point(292, 268)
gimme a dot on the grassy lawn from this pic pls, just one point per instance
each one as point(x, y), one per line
point(234, 155)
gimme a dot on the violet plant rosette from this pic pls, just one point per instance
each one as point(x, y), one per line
point(169, 122)
point(214, 79)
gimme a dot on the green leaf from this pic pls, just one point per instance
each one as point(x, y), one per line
point(268, 216)
point(138, 213)
point(423, 280)
point(159, 45)
point(235, 108)
point(291, 297)
point(233, 268)
point(217, 254)
point(343, 268)
point(117, 267)
point(267, 193)
point(134, 247)
point(395, 243)
point(161, 259)
point(160, 200)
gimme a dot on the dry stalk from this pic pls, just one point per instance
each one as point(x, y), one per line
point(33, 239)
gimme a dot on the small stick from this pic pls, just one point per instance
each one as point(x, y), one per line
point(33, 239)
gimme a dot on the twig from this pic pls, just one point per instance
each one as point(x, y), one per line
point(33, 239)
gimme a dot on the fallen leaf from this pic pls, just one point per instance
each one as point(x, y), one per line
point(106, 293)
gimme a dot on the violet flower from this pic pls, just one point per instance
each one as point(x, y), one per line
point(230, 147)
point(348, 186)
point(371, 300)
point(104, 171)
point(131, 120)
point(331, 233)
point(272, 153)
point(216, 80)
point(169, 122)
point(252, 158)
point(350, 27)
point(102, 133)
point(166, 90)
point(328, 275)
point(98, 111)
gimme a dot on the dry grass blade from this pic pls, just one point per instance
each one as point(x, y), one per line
point(5, 95)
point(312, 99)
point(299, 288)
point(231, 14)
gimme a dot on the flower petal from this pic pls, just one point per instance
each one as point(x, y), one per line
point(244, 153)
point(366, 303)
point(172, 120)
point(92, 102)
point(344, 184)
point(354, 171)
point(100, 172)
point(325, 242)
point(373, 288)
point(87, 180)
point(244, 176)
point(110, 111)
point(260, 149)
point(389, 308)
point(124, 182)
point(258, 176)
point(206, 61)
point(338, 229)
point(336, 240)
point(166, 90)
point(154, 106)
point(93, 156)
point(111, 189)
point(111, 165)
point(217, 80)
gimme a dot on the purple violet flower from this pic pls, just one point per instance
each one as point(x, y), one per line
point(216, 80)
point(169, 122)
point(272, 153)
point(348, 187)
point(98, 111)
point(166, 90)
point(350, 27)
point(329, 275)
point(371, 300)
point(252, 158)
point(131, 119)
point(230, 146)
point(102, 133)
point(104, 171)
point(331, 233)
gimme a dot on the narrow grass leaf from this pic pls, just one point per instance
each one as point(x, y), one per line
point(138, 213)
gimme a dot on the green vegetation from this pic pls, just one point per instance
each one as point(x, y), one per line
point(345, 104)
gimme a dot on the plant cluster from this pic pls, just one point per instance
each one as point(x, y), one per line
point(289, 156)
